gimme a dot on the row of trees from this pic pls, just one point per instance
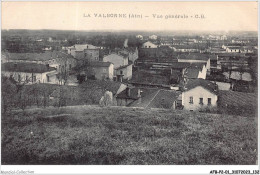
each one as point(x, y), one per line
point(17, 95)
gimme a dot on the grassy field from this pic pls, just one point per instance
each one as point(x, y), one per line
point(93, 135)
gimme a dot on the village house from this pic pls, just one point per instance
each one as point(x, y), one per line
point(122, 65)
point(98, 70)
point(231, 60)
point(84, 52)
point(195, 58)
point(131, 52)
point(139, 37)
point(199, 94)
point(215, 50)
point(153, 37)
point(30, 73)
point(232, 49)
point(149, 44)
point(196, 70)
point(240, 41)
point(59, 60)
point(185, 48)
point(149, 98)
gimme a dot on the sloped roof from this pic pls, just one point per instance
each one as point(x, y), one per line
point(193, 83)
point(81, 47)
point(38, 56)
point(26, 67)
point(194, 56)
point(145, 92)
point(164, 99)
point(118, 54)
point(180, 65)
point(230, 54)
point(186, 47)
point(99, 64)
point(192, 72)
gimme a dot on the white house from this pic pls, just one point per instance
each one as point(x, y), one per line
point(231, 49)
point(84, 51)
point(153, 37)
point(199, 94)
point(101, 70)
point(122, 68)
point(149, 44)
point(185, 48)
point(139, 37)
point(30, 73)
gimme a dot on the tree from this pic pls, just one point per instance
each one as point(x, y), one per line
point(107, 99)
point(9, 90)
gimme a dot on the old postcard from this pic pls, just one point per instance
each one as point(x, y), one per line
point(129, 83)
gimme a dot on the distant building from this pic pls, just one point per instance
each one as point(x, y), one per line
point(84, 52)
point(99, 70)
point(30, 73)
point(196, 71)
point(122, 66)
point(149, 44)
point(230, 49)
point(131, 52)
point(240, 41)
point(56, 59)
point(153, 37)
point(139, 37)
point(3, 58)
point(149, 98)
point(185, 48)
point(195, 58)
point(199, 94)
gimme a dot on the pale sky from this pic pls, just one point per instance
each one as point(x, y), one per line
point(69, 15)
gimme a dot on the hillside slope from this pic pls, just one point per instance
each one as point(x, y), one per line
point(93, 135)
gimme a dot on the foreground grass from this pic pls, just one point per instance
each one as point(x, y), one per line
point(92, 135)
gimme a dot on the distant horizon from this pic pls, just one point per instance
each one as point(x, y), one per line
point(135, 31)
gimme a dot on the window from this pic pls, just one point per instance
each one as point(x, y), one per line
point(191, 100)
point(121, 72)
point(201, 101)
point(209, 101)
point(27, 77)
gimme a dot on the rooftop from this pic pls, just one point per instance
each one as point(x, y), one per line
point(192, 72)
point(146, 94)
point(164, 99)
point(26, 67)
point(37, 56)
point(194, 56)
point(99, 64)
point(193, 83)
point(81, 47)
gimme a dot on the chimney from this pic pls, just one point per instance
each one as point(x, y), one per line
point(128, 91)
